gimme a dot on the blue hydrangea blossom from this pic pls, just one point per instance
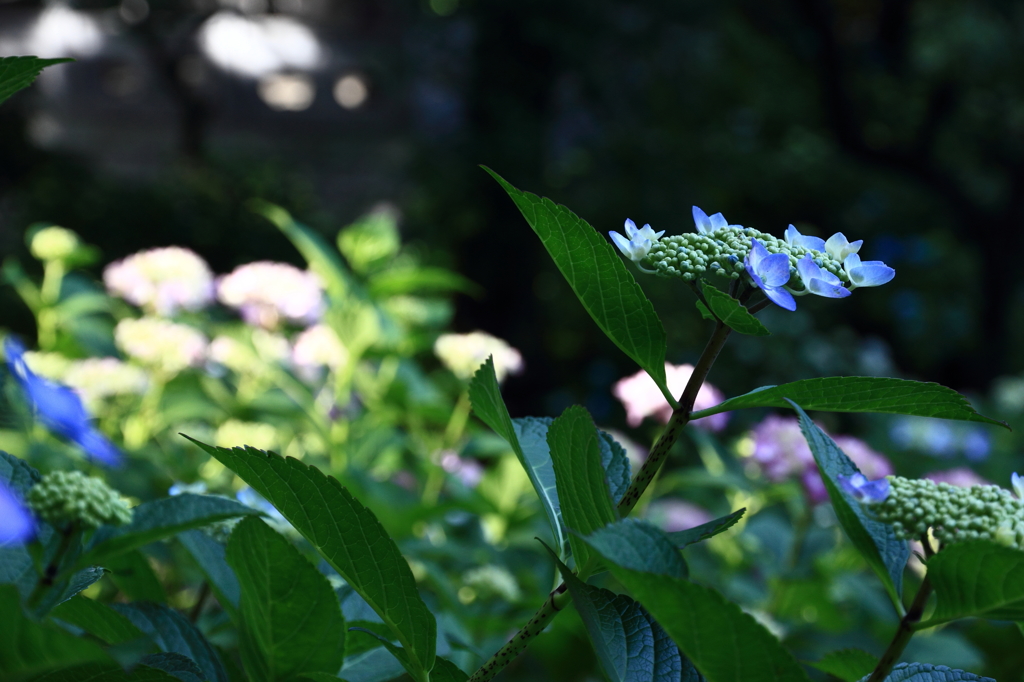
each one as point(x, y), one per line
point(839, 247)
point(794, 238)
point(863, 490)
point(638, 243)
point(769, 272)
point(16, 523)
point(870, 273)
point(59, 408)
point(1018, 485)
point(706, 223)
point(818, 281)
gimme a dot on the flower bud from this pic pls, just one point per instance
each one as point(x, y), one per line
point(70, 497)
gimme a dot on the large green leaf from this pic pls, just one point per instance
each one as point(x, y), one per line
point(181, 667)
point(849, 665)
point(615, 462)
point(579, 472)
point(859, 394)
point(133, 575)
point(97, 619)
point(724, 643)
point(690, 536)
point(630, 645)
point(924, 672)
point(978, 578)
point(107, 672)
point(876, 541)
point(446, 671)
point(532, 451)
point(173, 633)
point(291, 619)
point(732, 313)
point(210, 555)
point(17, 73)
point(348, 536)
point(159, 519)
point(597, 274)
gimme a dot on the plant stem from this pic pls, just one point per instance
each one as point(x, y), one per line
point(560, 596)
point(906, 627)
point(50, 573)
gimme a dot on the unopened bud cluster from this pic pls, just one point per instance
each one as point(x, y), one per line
point(955, 514)
point(722, 252)
point(70, 497)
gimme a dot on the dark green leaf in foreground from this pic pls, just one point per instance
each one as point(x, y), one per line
point(629, 644)
point(723, 643)
point(108, 672)
point(209, 554)
point(849, 665)
point(291, 619)
point(876, 541)
point(16, 473)
point(859, 394)
point(173, 633)
point(594, 270)
point(181, 667)
point(133, 575)
point(924, 672)
point(582, 489)
point(532, 451)
point(616, 466)
point(348, 536)
point(978, 578)
point(446, 671)
point(691, 536)
point(732, 313)
point(704, 312)
point(17, 73)
point(161, 519)
point(97, 619)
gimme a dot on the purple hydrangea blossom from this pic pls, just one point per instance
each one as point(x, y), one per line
point(16, 523)
point(818, 281)
point(770, 272)
point(863, 490)
point(637, 243)
point(60, 408)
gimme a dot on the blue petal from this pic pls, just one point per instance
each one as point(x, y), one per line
point(780, 297)
point(807, 269)
point(620, 242)
point(718, 221)
point(871, 274)
point(820, 287)
point(758, 282)
point(863, 490)
point(794, 237)
point(16, 523)
point(756, 254)
point(701, 220)
point(99, 448)
point(630, 228)
point(774, 269)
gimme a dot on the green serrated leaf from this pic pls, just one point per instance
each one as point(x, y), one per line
point(859, 394)
point(616, 466)
point(210, 555)
point(598, 276)
point(629, 643)
point(348, 536)
point(691, 536)
point(489, 407)
point(159, 519)
point(446, 671)
point(876, 541)
point(579, 472)
point(17, 474)
point(181, 667)
point(924, 672)
point(97, 619)
point(732, 313)
point(17, 73)
point(291, 620)
point(172, 632)
point(723, 643)
point(848, 665)
point(978, 578)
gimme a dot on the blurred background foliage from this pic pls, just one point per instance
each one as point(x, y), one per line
point(900, 122)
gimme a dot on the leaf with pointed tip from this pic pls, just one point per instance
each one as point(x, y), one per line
point(291, 619)
point(629, 644)
point(723, 643)
point(17, 73)
point(97, 619)
point(159, 519)
point(924, 672)
point(849, 665)
point(859, 394)
point(690, 536)
point(348, 536)
point(173, 633)
point(181, 667)
point(978, 578)
point(704, 312)
point(446, 671)
point(210, 555)
point(732, 313)
point(600, 279)
point(528, 439)
point(876, 541)
point(579, 472)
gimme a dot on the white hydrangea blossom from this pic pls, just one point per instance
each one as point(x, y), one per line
point(162, 281)
point(54, 243)
point(267, 293)
point(464, 353)
point(97, 378)
point(316, 348)
point(162, 345)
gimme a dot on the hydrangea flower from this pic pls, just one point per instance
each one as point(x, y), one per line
point(59, 408)
point(160, 344)
point(636, 243)
point(863, 490)
point(642, 398)
point(806, 241)
point(464, 353)
point(706, 223)
point(466, 469)
point(266, 293)
point(16, 523)
point(316, 348)
point(676, 515)
point(97, 378)
point(769, 272)
point(162, 281)
point(54, 243)
point(1018, 485)
point(839, 247)
point(818, 281)
point(871, 273)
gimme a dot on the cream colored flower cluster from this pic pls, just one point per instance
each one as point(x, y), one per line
point(71, 497)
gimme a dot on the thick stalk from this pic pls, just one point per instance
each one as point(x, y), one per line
point(560, 596)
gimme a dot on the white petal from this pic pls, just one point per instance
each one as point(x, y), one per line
point(717, 221)
point(836, 245)
point(871, 274)
point(630, 228)
point(700, 219)
point(621, 242)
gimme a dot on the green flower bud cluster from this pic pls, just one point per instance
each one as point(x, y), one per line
point(955, 514)
point(71, 497)
point(53, 243)
point(692, 254)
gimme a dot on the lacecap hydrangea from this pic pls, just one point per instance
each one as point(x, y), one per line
point(70, 497)
point(795, 265)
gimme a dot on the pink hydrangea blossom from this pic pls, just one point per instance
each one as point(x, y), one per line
point(642, 398)
point(960, 476)
point(675, 515)
point(163, 281)
point(265, 293)
point(466, 469)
